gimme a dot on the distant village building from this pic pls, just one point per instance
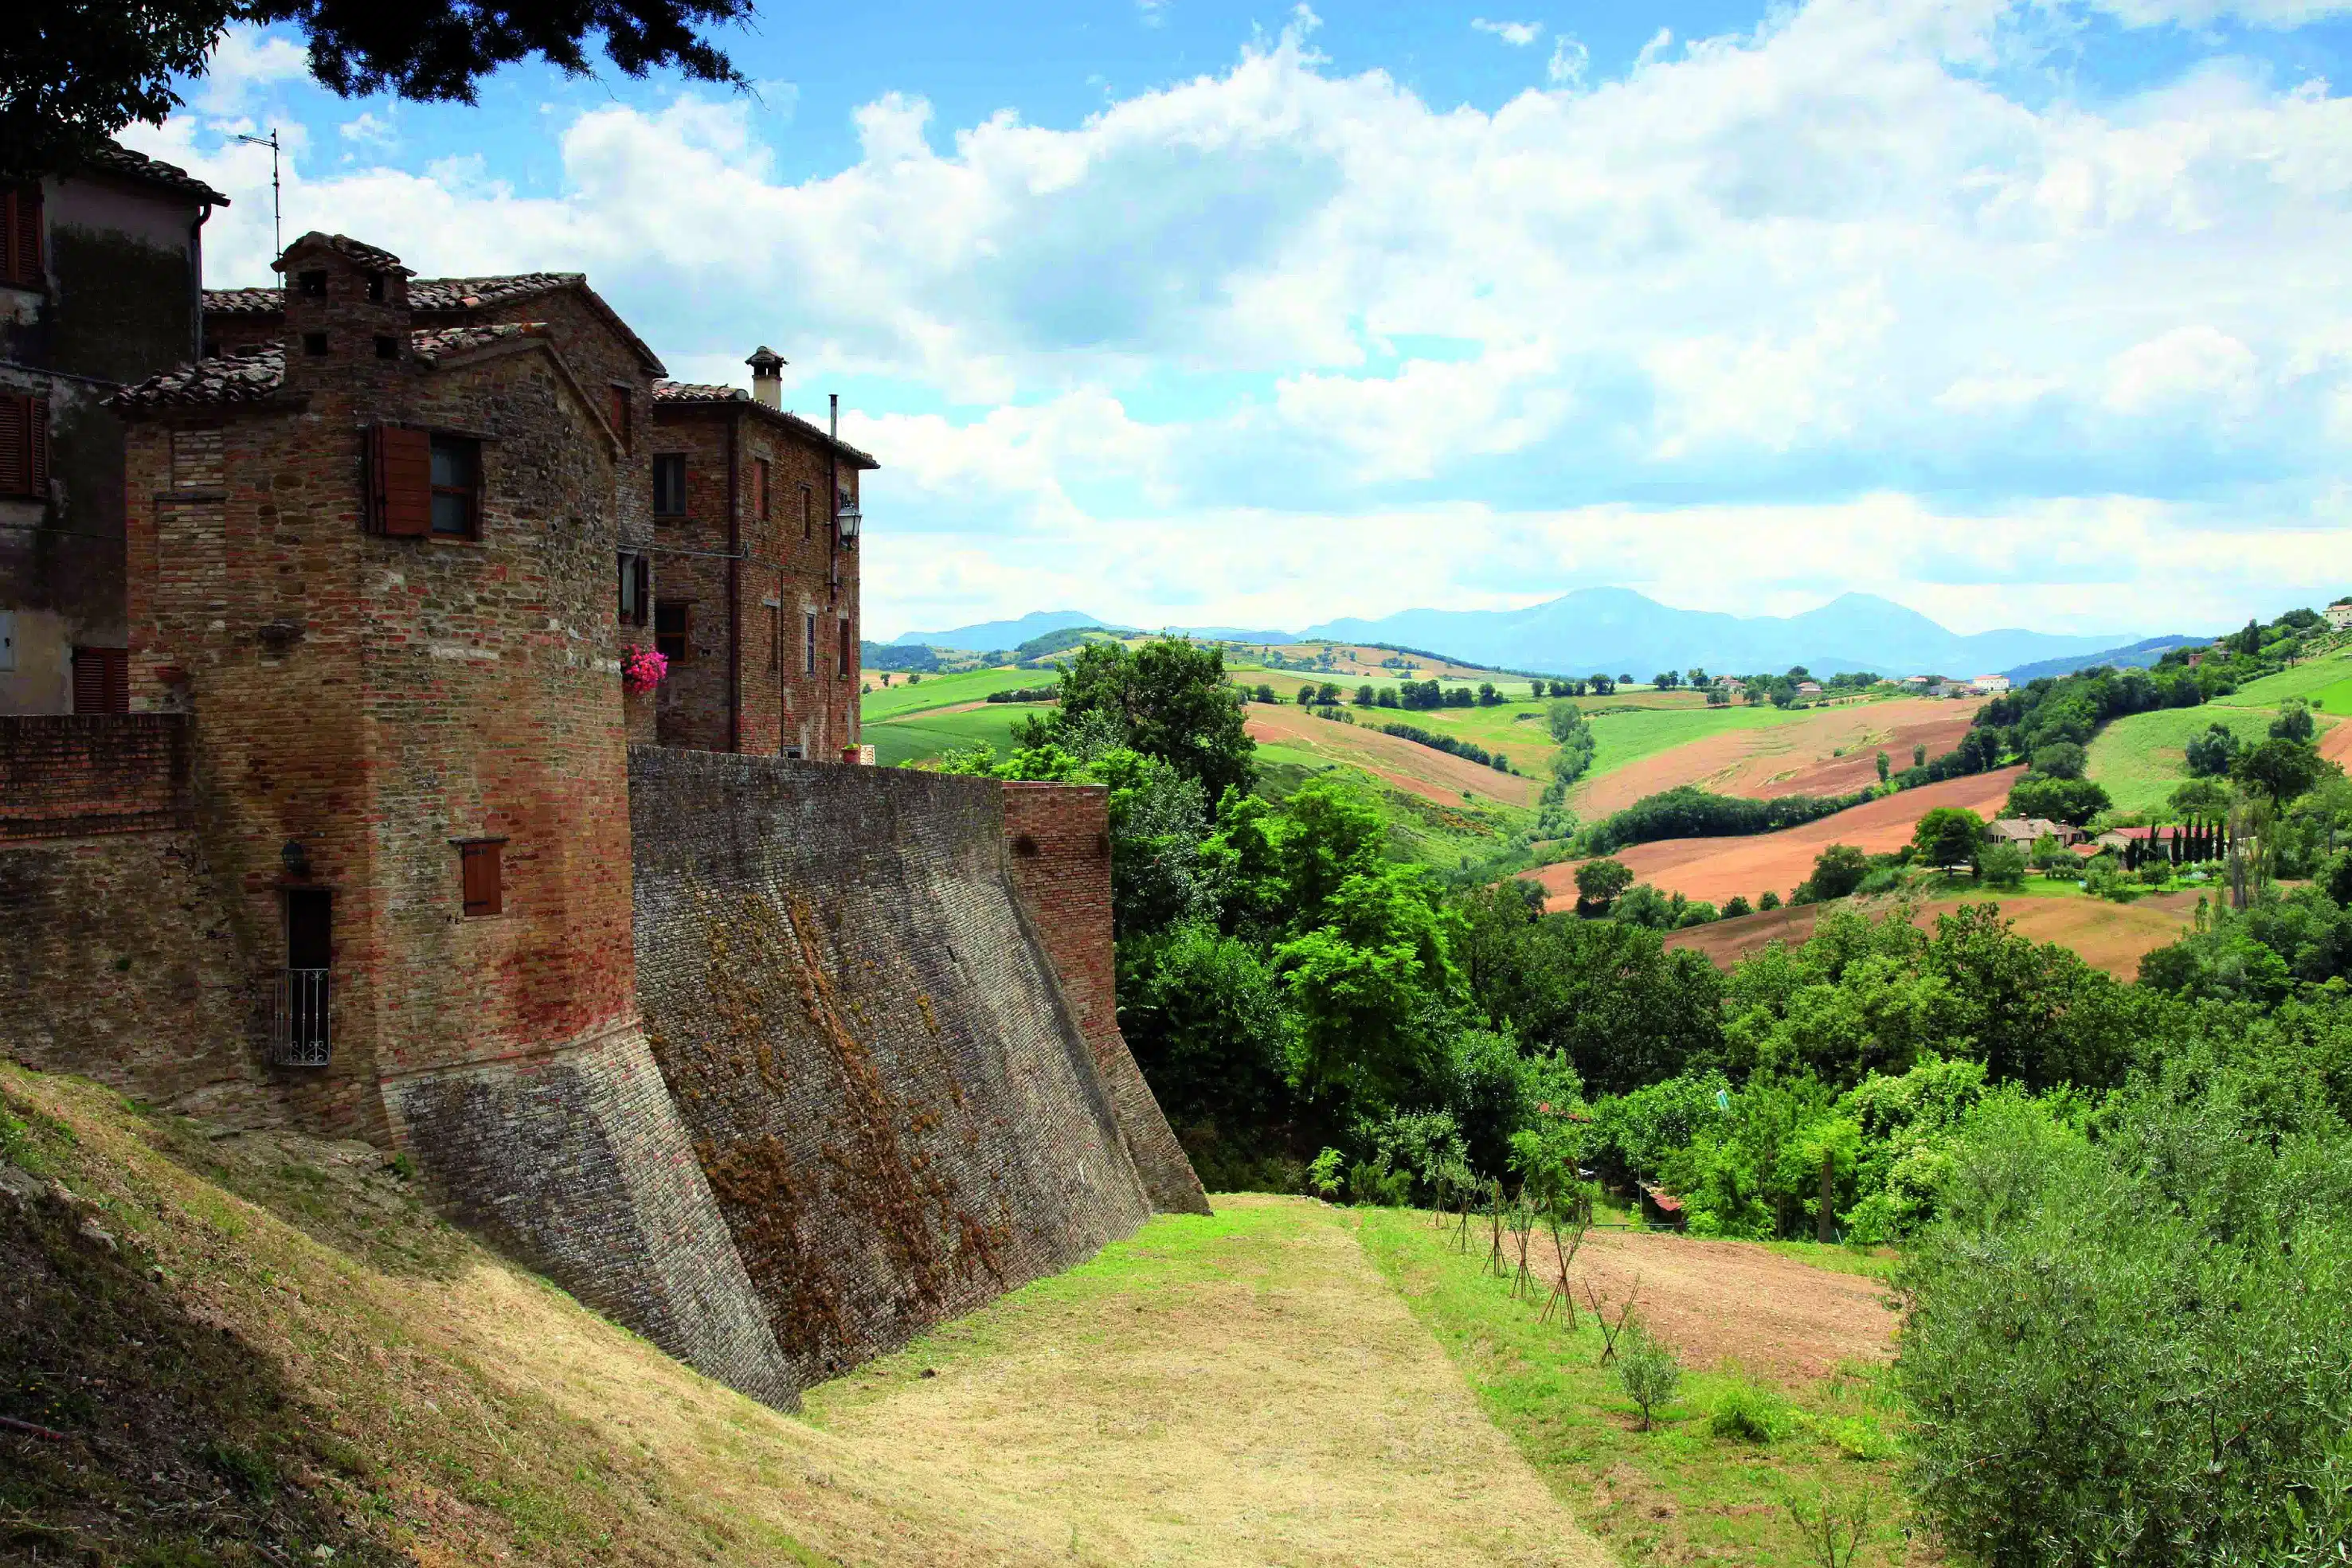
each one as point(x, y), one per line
point(2339, 616)
point(1990, 685)
point(2027, 831)
point(98, 277)
point(1914, 682)
point(1809, 688)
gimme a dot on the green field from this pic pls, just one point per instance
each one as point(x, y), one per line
point(898, 699)
point(2327, 680)
point(2137, 758)
point(928, 735)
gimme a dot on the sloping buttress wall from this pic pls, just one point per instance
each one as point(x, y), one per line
point(886, 1086)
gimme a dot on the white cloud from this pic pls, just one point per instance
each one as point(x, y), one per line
point(1518, 34)
point(1790, 262)
point(369, 129)
point(247, 60)
point(1568, 59)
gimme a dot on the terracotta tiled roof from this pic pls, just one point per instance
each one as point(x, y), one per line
point(439, 343)
point(474, 293)
point(115, 159)
point(357, 250)
point(243, 301)
point(689, 393)
point(248, 377)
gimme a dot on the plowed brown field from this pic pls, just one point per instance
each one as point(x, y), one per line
point(1793, 758)
point(1715, 869)
point(2110, 936)
point(1424, 771)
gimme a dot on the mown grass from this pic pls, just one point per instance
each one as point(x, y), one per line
point(2139, 759)
point(899, 700)
point(2313, 676)
point(1680, 1493)
point(927, 735)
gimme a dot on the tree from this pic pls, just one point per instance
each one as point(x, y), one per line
point(1837, 871)
point(2206, 797)
point(1697, 674)
point(2279, 768)
point(73, 74)
point(2294, 722)
point(1918, 757)
point(1885, 766)
point(2211, 754)
point(2060, 760)
point(1949, 836)
point(1737, 905)
point(1167, 699)
point(1769, 900)
point(1646, 1369)
point(1266, 693)
point(1364, 695)
point(2001, 866)
point(2074, 801)
point(1599, 881)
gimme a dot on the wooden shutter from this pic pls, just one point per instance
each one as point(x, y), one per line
point(399, 480)
point(483, 891)
point(15, 444)
point(22, 236)
point(102, 680)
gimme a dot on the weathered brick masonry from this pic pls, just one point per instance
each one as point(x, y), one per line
point(104, 773)
point(893, 1100)
point(1059, 839)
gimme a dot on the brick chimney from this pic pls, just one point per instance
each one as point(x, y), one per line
point(346, 312)
point(767, 376)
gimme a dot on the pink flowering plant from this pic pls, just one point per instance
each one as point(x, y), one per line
point(642, 669)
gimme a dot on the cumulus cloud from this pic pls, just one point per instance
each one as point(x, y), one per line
point(1518, 34)
point(1765, 272)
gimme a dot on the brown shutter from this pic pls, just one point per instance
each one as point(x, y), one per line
point(37, 444)
point(483, 891)
point(102, 680)
point(400, 479)
point(22, 260)
point(15, 444)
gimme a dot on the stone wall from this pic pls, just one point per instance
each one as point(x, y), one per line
point(1059, 836)
point(892, 1100)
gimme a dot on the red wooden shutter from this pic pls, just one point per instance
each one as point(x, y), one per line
point(37, 444)
point(15, 444)
point(22, 260)
point(400, 474)
point(483, 891)
point(102, 680)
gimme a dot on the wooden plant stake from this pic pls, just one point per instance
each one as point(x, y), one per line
point(1523, 1228)
point(1609, 1331)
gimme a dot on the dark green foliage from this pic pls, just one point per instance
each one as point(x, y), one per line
point(2278, 768)
point(1468, 750)
point(1600, 882)
point(2071, 800)
point(2209, 754)
point(1768, 900)
point(2294, 722)
point(1692, 812)
point(1947, 836)
point(1168, 699)
point(2060, 760)
point(1205, 1018)
point(1837, 871)
point(1736, 907)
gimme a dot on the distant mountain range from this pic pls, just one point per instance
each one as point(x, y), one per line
point(2138, 656)
point(1616, 631)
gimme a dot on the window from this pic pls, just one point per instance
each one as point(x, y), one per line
point(637, 588)
point(673, 618)
point(314, 344)
point(23, 446)
point(808, 643)
point(20, 236)
point(102, 680)
point(456, 487)
point(759, 487)
point(841, 669)
point(386, 347)
point(375, 287)
point(808, 510)
point(400, 482)
point(619, 410)
point(310, 285)
point(479, 869)
point(775, 637)
point(670, 485)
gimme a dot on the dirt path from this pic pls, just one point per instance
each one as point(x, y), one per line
point(2110, 936)
point(1780, 1318)
point(1715, 869)
point(1241, 1389)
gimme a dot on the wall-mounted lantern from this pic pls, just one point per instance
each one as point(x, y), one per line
point(846, 520)
point(295, 859)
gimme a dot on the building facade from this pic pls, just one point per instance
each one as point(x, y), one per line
point(755, 603)
point(100, 274)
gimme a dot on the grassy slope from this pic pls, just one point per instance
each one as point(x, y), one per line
point(2137, 758)
point(926, 735)
point(1242, 1388)
point(300, 1357)
point(900, 699)
point(1678, 1494)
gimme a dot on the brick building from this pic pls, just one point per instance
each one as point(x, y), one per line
point(98, 277)
point(756, 606)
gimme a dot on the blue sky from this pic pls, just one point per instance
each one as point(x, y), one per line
point(2018, 313)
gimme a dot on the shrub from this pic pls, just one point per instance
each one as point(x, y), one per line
point(1646, 1370)
point(2069, 800)
point(1838, 871)
point(1770, 900)
point(1373, 1184)
point(2103, 878)
point(2001, 866)
point(1323, 1179)
point(1737, 905)
point(1748, 1411)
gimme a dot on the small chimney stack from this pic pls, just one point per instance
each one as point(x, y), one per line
point(767, 377)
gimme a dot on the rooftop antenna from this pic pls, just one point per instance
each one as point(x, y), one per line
point(276, 214)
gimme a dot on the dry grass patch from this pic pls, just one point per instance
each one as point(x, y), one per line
point(1243, 1388)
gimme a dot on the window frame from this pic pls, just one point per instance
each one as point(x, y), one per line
point(808, 641)
point(24, 446)
point(634, 604)
point(469, 494)
point(24, 252)
point(669, 463)
point(775, 637)
point(760, 482)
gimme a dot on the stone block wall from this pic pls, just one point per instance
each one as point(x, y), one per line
point(103, 773)
point(892, 1099)
point(1058, 836)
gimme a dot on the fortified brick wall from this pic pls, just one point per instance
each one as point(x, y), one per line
point(109, 773)
point(884, 1083)
point(1060, 840)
